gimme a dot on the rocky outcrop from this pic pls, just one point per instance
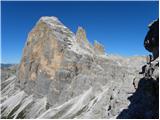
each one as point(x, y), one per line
point(146, 94)
point(43, 52)
point(62, 76)
point(98, 48)
point(53, 57)
point(82, 40)
point(81, 36)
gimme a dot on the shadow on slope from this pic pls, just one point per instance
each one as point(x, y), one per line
point(144, 102)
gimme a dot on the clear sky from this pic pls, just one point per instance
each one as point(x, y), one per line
point(119, 26)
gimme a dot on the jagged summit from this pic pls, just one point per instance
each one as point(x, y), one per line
point(52, 21)
point(49, 47)
point(99, 48)
point(82, 40)
point(81, 35)
point(49, 18)
point(76, 42)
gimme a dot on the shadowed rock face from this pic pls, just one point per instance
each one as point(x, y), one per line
point(62, 76)
point(144, 103)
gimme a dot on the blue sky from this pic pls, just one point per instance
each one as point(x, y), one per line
point(119, 26)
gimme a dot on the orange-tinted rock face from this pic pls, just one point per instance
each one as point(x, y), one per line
point(41, 53)
point(82, 40)
point(52, 59)
point(98, 48)
point(81, 36)
point(45, 46)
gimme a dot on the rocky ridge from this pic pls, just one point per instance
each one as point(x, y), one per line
point(61, 75)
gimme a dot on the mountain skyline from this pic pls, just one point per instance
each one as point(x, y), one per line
point(119, 26)
point(62, 76)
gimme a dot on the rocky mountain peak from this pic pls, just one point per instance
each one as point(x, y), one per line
point(99, 48)
point(53, 56)
point(44, 50)
point(82, 40)
point(51, 50)
point(81, 35)
point(51, 19)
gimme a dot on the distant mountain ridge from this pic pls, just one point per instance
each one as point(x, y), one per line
point(3, 65)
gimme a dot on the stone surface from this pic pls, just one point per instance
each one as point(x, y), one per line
point(146, 94)
point(62, 76)
point(98, 48)
point(82, 40)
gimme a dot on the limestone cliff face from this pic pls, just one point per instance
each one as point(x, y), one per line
point(48, 47)
point(82, 40)
point(42, 52)
point(53, 56)
point(81, 36)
